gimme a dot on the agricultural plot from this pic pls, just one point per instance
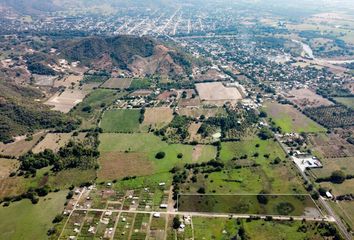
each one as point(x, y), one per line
point(290, 119)
point(306, 98)
point(65, 101)
point(89, 110)
point(124, 226)
point(332, 116)
point(157, 227)
point(198, 111)
point(158, 117)
point(120, 120)
point(20, 146)
point(25, 220)
point(284, 205)
point(256, 169)
point(217, 93)
point(143, 148)
point(117, 83)
point(54, 141)
point(68, 81)
point(347, 101)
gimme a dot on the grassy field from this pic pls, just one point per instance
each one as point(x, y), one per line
point(290, 119)
point(347, 101)
point(117, 83)
point(96, 100)
point(257, 170)
point(218, 228)
point(20, 147)
point(120, 120)
point(7, 166)
point(144, 146)
point(158, 117)
point(23, 220)
point(290, 205)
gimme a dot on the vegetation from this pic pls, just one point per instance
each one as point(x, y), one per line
point(121, 120)
point(332, 116)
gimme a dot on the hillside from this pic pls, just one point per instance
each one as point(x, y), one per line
point(20, 114)
point(140, 55)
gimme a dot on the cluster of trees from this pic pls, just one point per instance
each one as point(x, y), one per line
point(331, 116)
point(336, 177)
point(41, 69)
point(73, 155)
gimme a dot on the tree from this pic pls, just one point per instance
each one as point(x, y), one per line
point(338, 177)
point(265, 134)
point(201, 190)
point(262, 198)
point(160, 155)
point(176, 222)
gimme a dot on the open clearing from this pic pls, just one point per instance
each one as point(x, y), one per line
point(65, 101)
point(120, 120)
point(19, 147)
point(117, 83)
point(256, 172)
point(145, 146)
point(158, 116)
point(217, 93)
point(285, 205)
point(347, 101)
point(54, 141)
point(7, 166)
point(196, 112)
point(306, 98)
point(68, 81)
point(116, 165)
point(290, 119)
point(25, 220)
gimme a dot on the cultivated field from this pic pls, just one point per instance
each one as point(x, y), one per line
point(306, 98)
point(196, 112)
point(141, 148)
point(158, 116)
point(117, 83)
point(65, 101)
point(290, 119)
point(217, 93)
point(120, 120)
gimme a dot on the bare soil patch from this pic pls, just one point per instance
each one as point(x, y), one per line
point(197, 152)
point(116, 165)
point(193, 131)
point(196, 112)
point(217, 93)
point(65, 101)
point(7, 166)
point(54, 141)
point(117, 83)
point(68, 81)
point(158, 116)
point(20, 146)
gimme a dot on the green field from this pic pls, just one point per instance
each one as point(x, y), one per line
point(23, 220)
point(219, 228)
point(120, 120)
point(96, 100)
point(347, 101)
point(287, 205)
point(147, 145)
point(290, 119)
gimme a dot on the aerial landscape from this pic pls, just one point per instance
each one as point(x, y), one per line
point(176, 119)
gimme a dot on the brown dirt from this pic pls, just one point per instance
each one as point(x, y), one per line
point(217, 93)
point(19, 147)
point(117, 83)
point(306, 98)
point(192, 130)
point(197, 152)
point(158, 115)
point(7, 166)
point(116, 165)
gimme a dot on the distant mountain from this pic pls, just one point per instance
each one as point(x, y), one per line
point(31, 7)
point(140, 55)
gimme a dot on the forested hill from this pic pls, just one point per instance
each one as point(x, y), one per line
point(119, 49)
point(141, 55)
point(20, 114)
